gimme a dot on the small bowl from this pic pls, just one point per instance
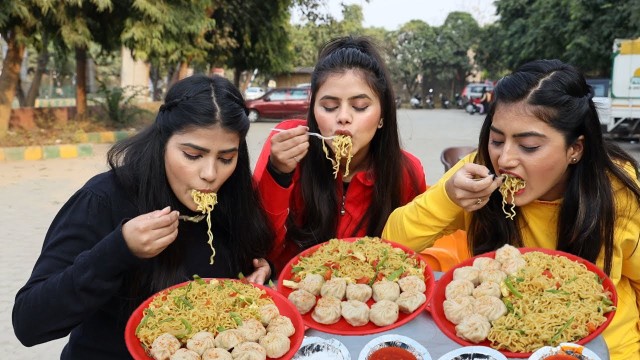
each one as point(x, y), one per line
point(314, 347)
point(564, 348)
point(473, 352)
point(394, 340)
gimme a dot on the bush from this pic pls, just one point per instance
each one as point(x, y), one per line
point(118, 104)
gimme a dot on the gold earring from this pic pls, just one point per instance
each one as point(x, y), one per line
point(574, 160)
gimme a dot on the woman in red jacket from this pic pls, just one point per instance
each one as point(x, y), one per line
point(352, 95)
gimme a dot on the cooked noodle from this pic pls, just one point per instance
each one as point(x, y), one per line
point(342, 145)
point(212, 305)
point(561, 301)
point(363, 261)
point(206, 202)
point(509, 187)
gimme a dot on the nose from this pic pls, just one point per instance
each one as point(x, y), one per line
point(344, 115)
point(508, 158)
point(208, 172)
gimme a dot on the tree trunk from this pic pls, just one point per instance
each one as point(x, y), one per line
point(183, 71)
point(9, 79)
point(43, 60)
point(20, 93)
point(236, 77)
point(81, 82)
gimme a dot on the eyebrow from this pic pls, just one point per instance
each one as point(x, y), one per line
point(361, 96)
point(200, 148)
point(520, 135)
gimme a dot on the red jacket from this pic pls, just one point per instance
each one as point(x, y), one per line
point(277, 200)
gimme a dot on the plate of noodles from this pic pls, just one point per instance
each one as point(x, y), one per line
point(519, 300)
point(215, 306)
point(362, 269)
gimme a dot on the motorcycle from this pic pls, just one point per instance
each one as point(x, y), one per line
point(428, 102)
point(473, 106)
point(459, 101)
point(444, 101)
point(416, 102)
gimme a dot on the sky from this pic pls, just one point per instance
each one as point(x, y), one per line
point(391, 14)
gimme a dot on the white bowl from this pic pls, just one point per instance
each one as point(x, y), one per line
point(543, 352)
point(316, 348)
point(404, 342)
point(471, 351)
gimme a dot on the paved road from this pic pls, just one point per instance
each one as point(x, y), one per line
point(31, 193)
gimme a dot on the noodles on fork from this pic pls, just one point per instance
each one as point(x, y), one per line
point(342, 145)
point(510, 186)
point(206, 202)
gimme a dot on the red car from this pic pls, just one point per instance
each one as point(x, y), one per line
point(280, 103)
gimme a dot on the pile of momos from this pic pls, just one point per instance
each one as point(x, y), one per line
point(473, 297)
point(252, 340)
point(338, 298)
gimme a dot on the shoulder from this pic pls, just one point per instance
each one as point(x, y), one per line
point(291, 123)
point(412, 159)
point(105, 186)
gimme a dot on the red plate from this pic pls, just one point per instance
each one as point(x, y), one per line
point(284, 305)
point(449, 328)
point(342, 327)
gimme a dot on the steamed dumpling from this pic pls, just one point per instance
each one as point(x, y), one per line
point(229, 338)
point(467, 273)
point(409, 301)
point(281, 324)
point(201, 341)
point(355, 312)
point(386, 290)
point(490, 307)
point(412, 283)
point(249, 351)
point(275, 344)
point(457, 309)
point(458, 288)
point(327, 310)
point(164, 346)
point(252, 329)
point(507, 252)
point(486, 263)
point(511, 266)
point(360, 292)
point(474, 328)
point(268, 312)
point(497, 276)
point(487, 288)
point(384, 312)
point(185, 354)
point(336, 287)
point(312, 283)
point(216, 354)
point(303, 300)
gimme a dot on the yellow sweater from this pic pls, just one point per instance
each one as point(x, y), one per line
point(432, 215)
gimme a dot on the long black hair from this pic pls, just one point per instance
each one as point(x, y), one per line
point(559, 95)
point(138, 163)
point(387, 163)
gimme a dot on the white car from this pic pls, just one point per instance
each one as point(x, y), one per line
point(253, 92)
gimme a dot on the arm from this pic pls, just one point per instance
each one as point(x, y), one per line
point(80, 269)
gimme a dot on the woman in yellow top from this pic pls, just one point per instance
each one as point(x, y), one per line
point(582, 193)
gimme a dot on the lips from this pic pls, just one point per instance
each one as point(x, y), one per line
point(343, 132)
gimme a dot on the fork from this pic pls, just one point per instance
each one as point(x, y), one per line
point(309, 133)
point(195, 219)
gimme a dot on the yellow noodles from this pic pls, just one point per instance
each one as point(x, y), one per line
point(361, 261)
point(206, 203)
point(509, 187)
point(342, 145)
point(212, 305)
point(561, 301)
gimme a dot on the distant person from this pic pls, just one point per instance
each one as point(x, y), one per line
point(581, 193)
point(352, 96)
point(485, 100)
point(118, 239)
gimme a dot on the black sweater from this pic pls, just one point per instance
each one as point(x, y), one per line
point(79, 282)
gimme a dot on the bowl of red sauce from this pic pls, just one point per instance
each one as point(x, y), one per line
point(564, 351)
point(393, 347)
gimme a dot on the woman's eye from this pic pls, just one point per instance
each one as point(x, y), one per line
point(529, 148)
point(358, 108)
point(226, 161)
point(329, 108)
point(496, 142)
point(190, 156)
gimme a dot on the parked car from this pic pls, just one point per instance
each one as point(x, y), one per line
point(253, 92)
point(280, 103)
point(474, 90)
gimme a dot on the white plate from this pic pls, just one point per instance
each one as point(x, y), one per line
point(395, 340)
point(315, 348)
point(541, 353)
point(473, 353)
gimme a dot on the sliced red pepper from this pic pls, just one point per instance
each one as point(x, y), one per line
point(363, 280)
point(327, 274)
point(548, 274)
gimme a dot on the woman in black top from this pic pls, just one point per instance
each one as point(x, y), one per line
point(118, 240)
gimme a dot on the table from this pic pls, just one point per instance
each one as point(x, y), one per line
point(425, 331)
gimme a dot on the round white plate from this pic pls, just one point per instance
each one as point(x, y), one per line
point(316, 348)
point(473, 353)
point(541, 353)
point(407, 343)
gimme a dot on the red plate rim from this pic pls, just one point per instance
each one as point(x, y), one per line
point(342, 327)
point(448, 328)
point(284, 305)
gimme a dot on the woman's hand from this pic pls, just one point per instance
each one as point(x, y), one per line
point(261, 273)
point(471, 186)
point(288, 148)
point(148, 234)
